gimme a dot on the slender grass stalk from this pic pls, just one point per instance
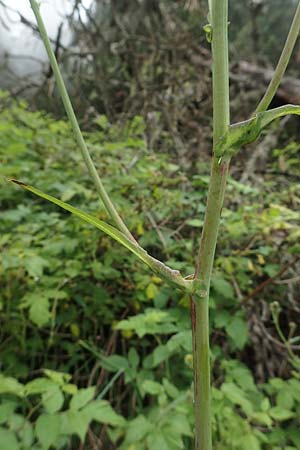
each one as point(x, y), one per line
point(200, 306)
point(110, 384)
point(282, 63)
point(110, 208)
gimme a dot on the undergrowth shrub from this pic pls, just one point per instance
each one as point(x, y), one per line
point(69, 306)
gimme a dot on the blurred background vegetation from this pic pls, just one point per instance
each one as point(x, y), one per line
point(95, 351)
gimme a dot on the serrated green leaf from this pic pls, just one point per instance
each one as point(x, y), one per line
point(183, 339)
point(59, 378)
point(101, 411)
point(160, 354)
point(38, 303)
point(179, 423)
point(277, 383)
point(6, 409)
point(222, 319)
point(250, 442)
point(156, 441)
point(174, 440)
point(241, 375)
point(47, 429)
point(9, 385)
point(280, 414)
point(285, 399)
point(170, 389)
point(16, 422)
point(262, 418)
point(75, 422)
point(35, 265)
point(82, 397)
point(133, 358)
point(26, 434)
point(151, 322)
point(138, 429)
point(237, 397)
point(53, 400)
point(223, 287)
point(38, 386)
point(39, 311)
point(265, 404)
point(69, 388)
point(152, 387)
point(238, 331)
point(8, 440)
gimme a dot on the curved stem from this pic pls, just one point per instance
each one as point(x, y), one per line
point(110, 209)
point(219, 172)
point(282, 63)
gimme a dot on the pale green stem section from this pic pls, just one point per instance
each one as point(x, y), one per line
point(200, 306)
point(110, 209)
point(282, 63)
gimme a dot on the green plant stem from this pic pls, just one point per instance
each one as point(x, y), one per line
point(110, 209)
point(110, 384)
point(219, 172)
point(282, 63)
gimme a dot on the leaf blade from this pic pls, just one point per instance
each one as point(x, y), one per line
point(172, 276)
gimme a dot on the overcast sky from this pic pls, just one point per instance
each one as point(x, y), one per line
point(51, 10)
point(19, 40)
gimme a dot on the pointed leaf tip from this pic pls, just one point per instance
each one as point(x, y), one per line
point(20, 183)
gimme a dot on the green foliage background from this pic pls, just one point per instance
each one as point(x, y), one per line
point(94, 349)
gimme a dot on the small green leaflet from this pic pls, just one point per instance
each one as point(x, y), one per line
point(47, 429)
point(242, 133)
point(53, 400)
point(208, 31)
point(82, 398)
point(9, 385)
point(8, 440)
point(173, 276)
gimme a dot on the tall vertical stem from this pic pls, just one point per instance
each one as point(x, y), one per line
point(219, 172)
point(108, 205)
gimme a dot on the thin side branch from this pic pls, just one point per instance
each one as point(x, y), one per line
point(110, 208)
point(282, 63)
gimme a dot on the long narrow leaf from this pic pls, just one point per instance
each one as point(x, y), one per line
point(157, 266)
